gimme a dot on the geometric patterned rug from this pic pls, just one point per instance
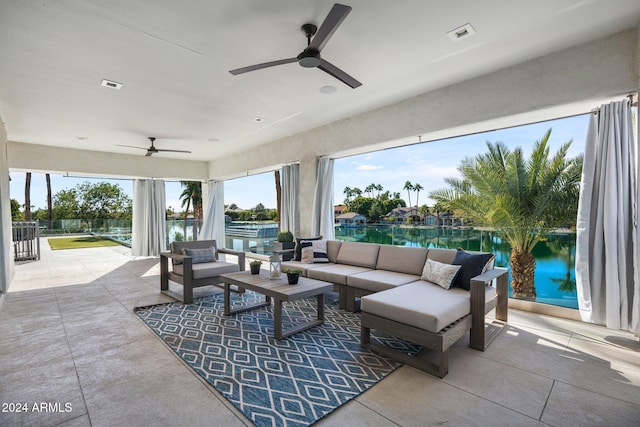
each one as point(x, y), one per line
point(290, 382)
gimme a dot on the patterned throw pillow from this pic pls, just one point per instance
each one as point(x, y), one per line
point(314, 252)
point(440, 273)
point(199, 256)
point(301, 243)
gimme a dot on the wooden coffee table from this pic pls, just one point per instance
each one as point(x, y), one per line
point(280, 290)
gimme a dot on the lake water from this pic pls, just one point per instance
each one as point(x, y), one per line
point(555, 256)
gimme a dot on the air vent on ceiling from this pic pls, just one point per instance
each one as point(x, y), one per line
point(461, 32)
point(111, 84)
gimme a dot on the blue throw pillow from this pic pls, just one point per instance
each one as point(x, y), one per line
point(199, 256)
point(472, 266)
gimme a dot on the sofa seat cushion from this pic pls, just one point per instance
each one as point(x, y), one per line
point(358, 254)
point(489, 294)
point(380, 280)
point(423, 305)
point(302, 266)
point(403, 259)
point(207, 269)
point(334, 273)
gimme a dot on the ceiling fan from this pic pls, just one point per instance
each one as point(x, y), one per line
point(153, 150)
point(310, 57)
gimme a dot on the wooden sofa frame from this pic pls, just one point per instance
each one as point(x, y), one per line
point(434, 356)
point(187, 281)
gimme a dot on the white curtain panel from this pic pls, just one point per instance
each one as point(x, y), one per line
point(213, 225)
point(323, 222)
point(607, 248)
point(290, 209)
point(148, 231)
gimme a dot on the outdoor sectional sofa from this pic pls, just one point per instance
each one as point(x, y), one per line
point(395, 299)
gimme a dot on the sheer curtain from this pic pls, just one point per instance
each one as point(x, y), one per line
point(290, 210)
point(323, 220)
point(148, 231)
point(213, 224)
point(607, 247)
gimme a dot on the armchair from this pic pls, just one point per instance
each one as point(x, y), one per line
point(202, 272)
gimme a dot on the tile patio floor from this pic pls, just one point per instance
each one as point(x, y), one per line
point(69, 336)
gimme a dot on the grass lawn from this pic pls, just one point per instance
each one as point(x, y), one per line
point(80, 242)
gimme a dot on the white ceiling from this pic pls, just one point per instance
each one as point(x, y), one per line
point(173, 57)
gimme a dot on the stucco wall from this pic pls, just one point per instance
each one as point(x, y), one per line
point(6, 259)
point(568, 82)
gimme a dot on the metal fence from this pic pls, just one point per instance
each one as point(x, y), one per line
point(26, 244)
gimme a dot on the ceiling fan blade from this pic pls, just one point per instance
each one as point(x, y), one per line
point(174, 151)
point(336, 72)
point(331, 23)
point(130, 146)
point(263, 65)
point(149, 153)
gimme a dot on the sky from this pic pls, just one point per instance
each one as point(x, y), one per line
point(427, 163)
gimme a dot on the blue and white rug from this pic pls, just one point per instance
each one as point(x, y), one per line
point(291, 382)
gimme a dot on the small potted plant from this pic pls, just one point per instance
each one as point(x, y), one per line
point(284, 241)
point(293, 274)
point(255, 266)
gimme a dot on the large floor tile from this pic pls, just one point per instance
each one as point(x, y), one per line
point(411, 398)
point(499, 383)
point(354, 414)
point(99, 336)
point(572, 406)
point(145, 384)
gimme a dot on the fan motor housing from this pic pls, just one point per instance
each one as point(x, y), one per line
point(310, 58)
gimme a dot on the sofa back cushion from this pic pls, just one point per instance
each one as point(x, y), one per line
point(177, 247)
point(445, 256)
point(402, 259)
point(358, 254)
point(333, 247)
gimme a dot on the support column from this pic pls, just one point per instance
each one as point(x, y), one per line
point(6, 257)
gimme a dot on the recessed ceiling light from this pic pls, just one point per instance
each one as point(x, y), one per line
point(258, 120)
point(461, 32)
point(328, 89)
point(82, 138)
point(111, 84)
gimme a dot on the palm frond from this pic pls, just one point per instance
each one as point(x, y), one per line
point(522, 197)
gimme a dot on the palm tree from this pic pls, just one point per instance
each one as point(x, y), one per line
point(522, 198)
point(423, 211)
point(409, 187)
point(379, 189)
point(437, 208)
point(276, 175)
point(49, 202)
point(417, 188)
point(191, 195)
point(27, 197)
point(348, 194)
point(369, 189)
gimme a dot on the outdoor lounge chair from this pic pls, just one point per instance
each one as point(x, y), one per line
point(196, 264)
